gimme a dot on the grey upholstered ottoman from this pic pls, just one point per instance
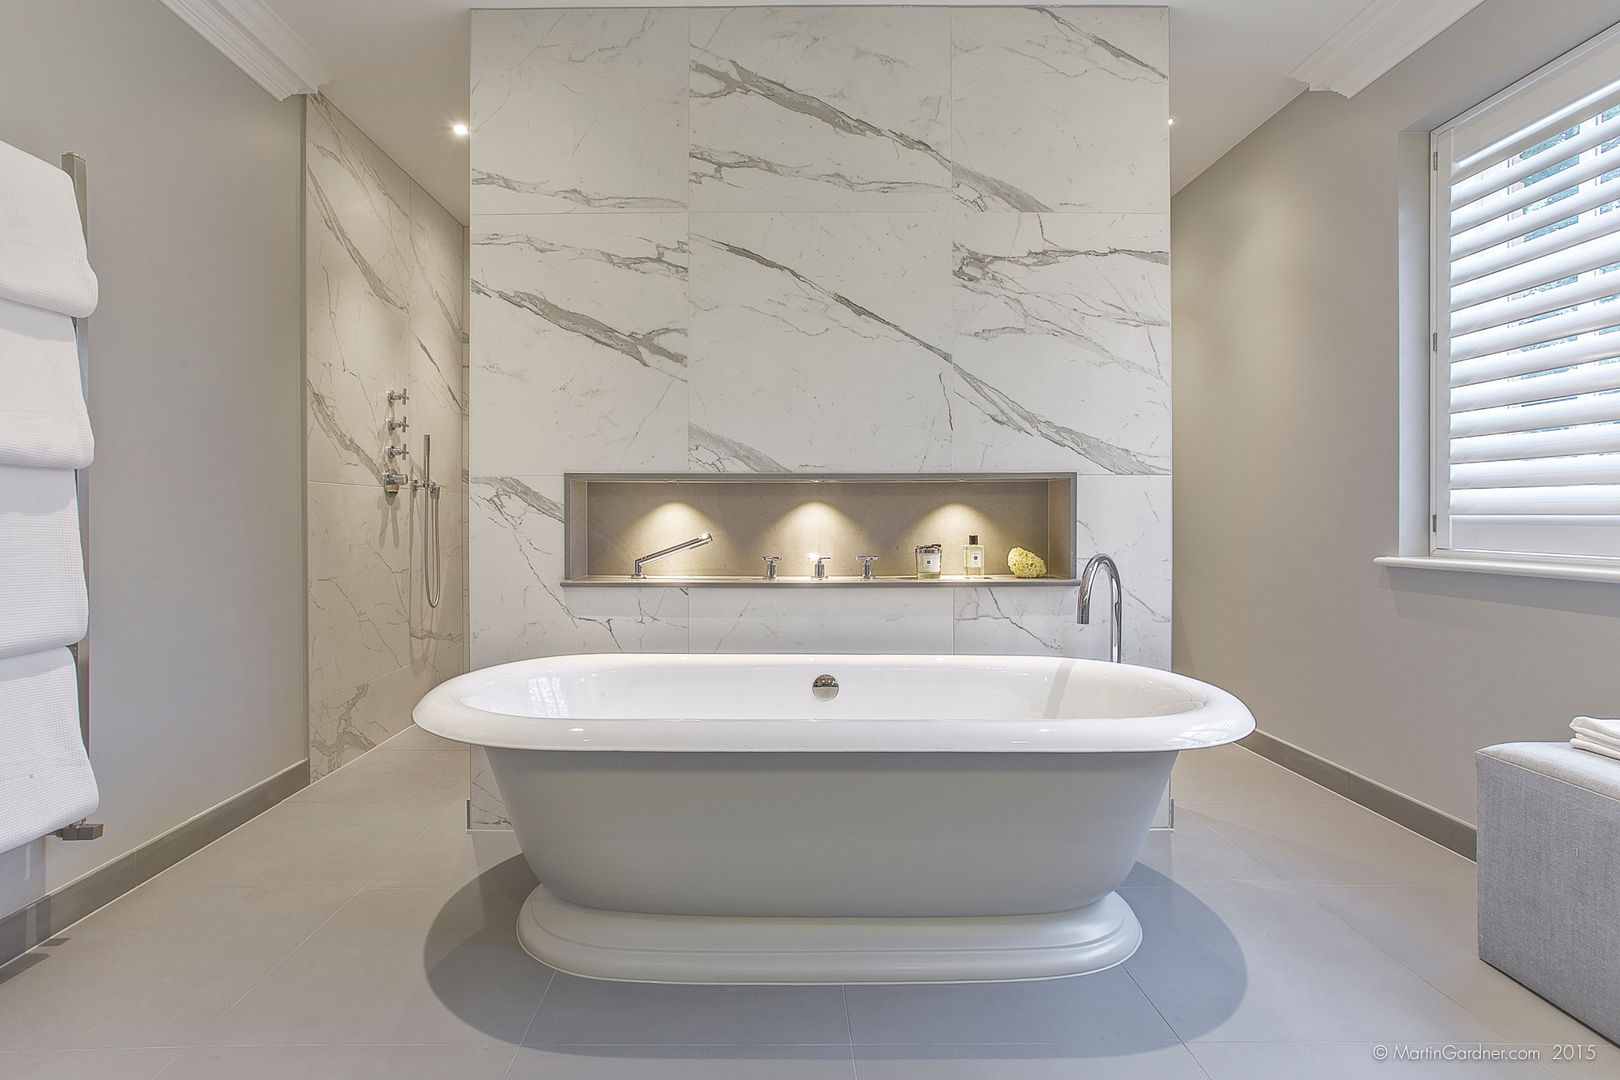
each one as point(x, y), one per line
point(1549, 875)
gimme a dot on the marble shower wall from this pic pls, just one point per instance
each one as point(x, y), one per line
point(385, 281)
point(804, 239)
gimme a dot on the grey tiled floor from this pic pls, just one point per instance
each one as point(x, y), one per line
point(357, 931)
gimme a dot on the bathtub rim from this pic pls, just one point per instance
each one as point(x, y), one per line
point(1215, 718)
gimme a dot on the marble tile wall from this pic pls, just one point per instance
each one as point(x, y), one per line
point(803, 239)
point(385, 309)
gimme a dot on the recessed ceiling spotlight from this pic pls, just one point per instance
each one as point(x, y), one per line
point(1172, 122)
point(462, 129)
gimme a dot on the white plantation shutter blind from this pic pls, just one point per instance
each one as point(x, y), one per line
point(1527, 316)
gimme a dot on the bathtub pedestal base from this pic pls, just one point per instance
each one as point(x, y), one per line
point(634, 947)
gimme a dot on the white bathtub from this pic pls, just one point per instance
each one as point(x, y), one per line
point(943, 818)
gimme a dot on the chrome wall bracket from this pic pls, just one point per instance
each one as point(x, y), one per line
point(80, 830)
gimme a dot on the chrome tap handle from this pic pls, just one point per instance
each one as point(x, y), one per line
point(821, 566)
point(397, 425)
point(395, 452)
point(770, 566)
point(401, 396)
point(866, 566)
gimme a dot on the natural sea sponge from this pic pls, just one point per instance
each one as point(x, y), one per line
point(1025, 563)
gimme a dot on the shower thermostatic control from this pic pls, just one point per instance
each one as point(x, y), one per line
point(401, 396)
point(396, 452)
point(397, 425)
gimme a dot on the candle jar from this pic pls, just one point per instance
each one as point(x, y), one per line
point(930, 558)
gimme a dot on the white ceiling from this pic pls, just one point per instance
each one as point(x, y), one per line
point(398, 68)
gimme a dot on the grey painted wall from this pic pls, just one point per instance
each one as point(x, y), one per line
point(196, 598)
point(1290, 258)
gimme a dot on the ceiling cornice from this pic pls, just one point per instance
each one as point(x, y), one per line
point(1382, 34)
point(255, 39)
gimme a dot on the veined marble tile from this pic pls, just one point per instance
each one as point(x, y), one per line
point(820, 341)
point(1061, 108)
point(1128, 517)
point(438, 266)
point(350, 722)
point(438, 405)
point(520, 610)
point(1062, 342)
point(578, 110)
point(357, 205)
point(820, 108)
point(485, 807)
point(356, 353)
point(442, 628)
point(1025, 621)
point(359, 574)
point(832, 620)
point(580, 359)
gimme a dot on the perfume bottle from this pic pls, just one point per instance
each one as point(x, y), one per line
point(929, 559)
point(973, 557)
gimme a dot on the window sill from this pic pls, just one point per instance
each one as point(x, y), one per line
point(1506, 567)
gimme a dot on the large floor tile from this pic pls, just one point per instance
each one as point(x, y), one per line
point(1231, 775)
point(435, 778)
point(1207, 992)
point(1037, 1062)
point(1432, 931)
point(586, 1011)
point(414, 738)
point(448, 854)
point(421, 965)
point(1342, 1061)
point(156, 967)
point(122, 1064)
point(1104, 1008)
point(300, 843)
point(1336, 842)
point(683, 1063)
point(341, 1063)
point(1192, 853)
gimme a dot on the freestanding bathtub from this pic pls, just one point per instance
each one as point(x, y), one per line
point(792, 819)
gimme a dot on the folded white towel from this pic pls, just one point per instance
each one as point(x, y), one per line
point(1581, 742)
point(45, 777)
point(42, 595)
point(1597, 727)
point(43, 261)
point(43, 421)
point(1594, 735)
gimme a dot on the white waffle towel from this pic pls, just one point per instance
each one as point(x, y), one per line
point(43, 421)
point(42, 595)
point(45, 777)
point(1581, 742)
point(43, 262)
point(1597, 729)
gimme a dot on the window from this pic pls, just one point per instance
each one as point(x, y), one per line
point(1526, 318)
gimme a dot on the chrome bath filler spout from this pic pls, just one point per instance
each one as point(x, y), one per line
point(685, 545)
point(1087, 580)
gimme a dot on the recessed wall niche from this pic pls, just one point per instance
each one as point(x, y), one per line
point(612, 519)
